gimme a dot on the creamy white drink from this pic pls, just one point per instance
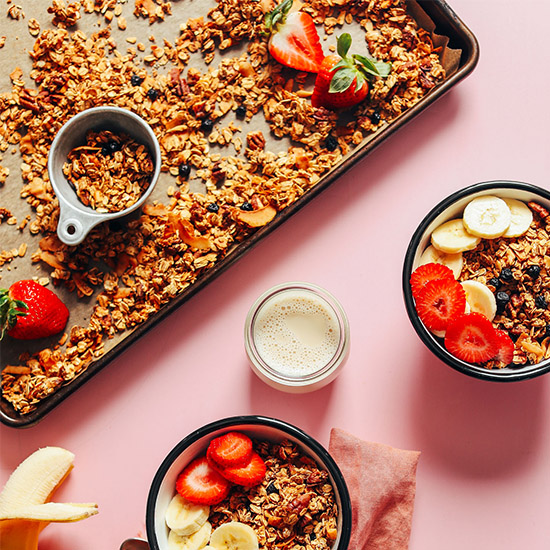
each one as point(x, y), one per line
point(296, 333)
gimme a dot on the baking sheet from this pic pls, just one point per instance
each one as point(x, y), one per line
point(460, 53)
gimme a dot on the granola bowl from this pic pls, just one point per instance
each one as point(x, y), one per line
point(102, 180)
point(510, 273)
point(280, 444)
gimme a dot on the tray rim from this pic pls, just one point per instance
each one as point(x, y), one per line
point(444, 15)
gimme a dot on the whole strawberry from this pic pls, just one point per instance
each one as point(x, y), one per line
point(28, 311)
point(343, 81)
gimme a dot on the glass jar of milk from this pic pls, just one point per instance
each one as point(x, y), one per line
point(297, 337)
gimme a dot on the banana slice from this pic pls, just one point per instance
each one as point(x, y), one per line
point(452, 261)
point(36, 478)
point(451, 237)
point(184, 517)
point(234, 536)
point(195, 541)
point(480, 298)
point(487, 216)
point(521, 218)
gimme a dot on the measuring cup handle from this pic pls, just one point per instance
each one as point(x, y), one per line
point(72, 228)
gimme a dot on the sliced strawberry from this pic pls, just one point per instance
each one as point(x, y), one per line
point(440, 301)
point(230, 449)
point(252, 473)
point(294, 41)
point(201, 484)
point(428, 272)
point(472, 338)
point(506, 347)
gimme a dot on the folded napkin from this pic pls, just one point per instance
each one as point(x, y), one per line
point(382, 484)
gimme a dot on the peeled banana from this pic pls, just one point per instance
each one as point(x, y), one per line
point(24, 506)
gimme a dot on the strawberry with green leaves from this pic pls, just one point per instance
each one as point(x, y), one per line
point(343, 80)
point(293, 41)
point(28, 311)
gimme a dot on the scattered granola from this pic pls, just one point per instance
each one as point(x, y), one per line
point(110, 172)
point(131, 271)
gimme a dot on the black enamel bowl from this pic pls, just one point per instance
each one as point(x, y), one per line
point(450, 208)
point(258, 427)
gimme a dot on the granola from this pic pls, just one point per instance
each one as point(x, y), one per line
point(110, 172)
point(132, 270)
point(293, 507)
point(524, 312)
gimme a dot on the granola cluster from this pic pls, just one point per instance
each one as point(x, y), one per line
point(110, 172)
point(523, 311)
point(294, 507)
point(200, 118)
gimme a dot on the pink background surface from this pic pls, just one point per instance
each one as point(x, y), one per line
point(484, 473)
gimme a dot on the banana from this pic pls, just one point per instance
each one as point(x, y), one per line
point(451, 237)
point(480, 298)
point(24, 506)
point(184, 517)
point(36, 478)
point(487, 216)
point(452, 261)
point(195, 541)
point(234, 536)
point(60, 512)
point(521, 218)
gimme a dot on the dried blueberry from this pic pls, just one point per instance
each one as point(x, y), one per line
point(533, 271)
point(247, 206)
point(113, 146)
point(271, 488)
point(240, 112)
point(105, 151)
point(207, 124)
point(540, 302)
point(547, 330)
point(152, 94)
point(494, 282)
point(331, 143)
point(136, 80)
point(212, 207)
point(184, 170)
point(375, 117)
point(502, 299)
point(506, 275)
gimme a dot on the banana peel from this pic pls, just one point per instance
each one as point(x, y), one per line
point(25, 507)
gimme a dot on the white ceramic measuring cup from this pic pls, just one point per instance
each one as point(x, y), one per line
point(76, 219)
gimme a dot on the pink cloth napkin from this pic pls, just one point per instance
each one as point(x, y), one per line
point(382, 484)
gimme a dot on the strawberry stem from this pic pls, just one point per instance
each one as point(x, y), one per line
point(277, 17)
point(354, 68)
point(10, 310)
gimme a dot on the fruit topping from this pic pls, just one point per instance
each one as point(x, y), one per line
point(343, 80)
point(294, 41)
point(28, 311)
point(230, 449)
point(506, 275)
point(522, 217)
point(200, 483)
point(471, 338)
point(185, 517)
point(453, 261)
point(505, 344)
point(451, 237)
point(440, 301)
point(487, 216)
point(480, 298)
point(428, 272)
point(533, 271)
point(234, 535)
point(249, 474)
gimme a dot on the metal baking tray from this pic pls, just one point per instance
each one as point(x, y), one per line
point(448, 24)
